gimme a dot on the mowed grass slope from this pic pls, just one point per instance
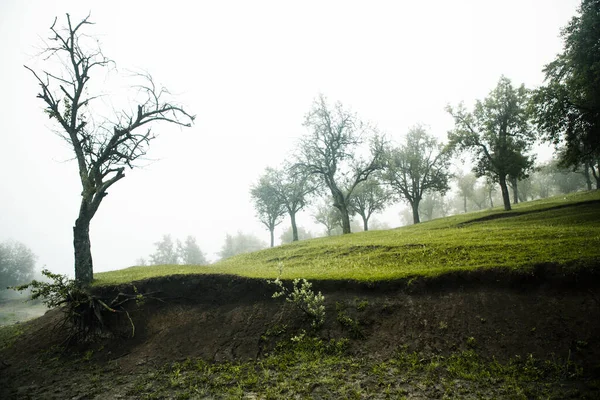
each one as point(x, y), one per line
point(564, 230)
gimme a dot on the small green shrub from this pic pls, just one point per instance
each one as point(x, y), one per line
point(471, 342)
point(351, 324)
point(309, 346)
point(361, 305)
point(304, 298)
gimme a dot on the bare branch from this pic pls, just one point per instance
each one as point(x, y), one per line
point(103, 147)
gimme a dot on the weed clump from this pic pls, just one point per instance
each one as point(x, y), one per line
point(304, 298)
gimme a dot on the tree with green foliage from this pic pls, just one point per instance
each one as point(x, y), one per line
point(332, 152)
point(433, 205)
point(567, 107)
point(165, 253)
point(239, 244)
point(480, 196)
point(17, 264)
point(490, 189)
point(369, 197)
point(269, 206)
point(329, 217)
point(102, 146)
point(190, 253)
point(521, 166)
point(418, 166)
point(465, 184)
point(292, 187)
point(287, 236)
point(171, 252)
point(561, 179)
point(497, 133)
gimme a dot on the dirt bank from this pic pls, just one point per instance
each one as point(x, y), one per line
point(548, 313)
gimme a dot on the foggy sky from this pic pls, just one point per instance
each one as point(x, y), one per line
point(249, 70)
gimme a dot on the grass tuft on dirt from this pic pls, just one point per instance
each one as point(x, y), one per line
point(309, 367)
point(563, 230)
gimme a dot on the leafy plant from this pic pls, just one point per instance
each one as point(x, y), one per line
point(85, 314)
point(471, 342)
point(361, 305)
point(351, 324)
point(304, 298)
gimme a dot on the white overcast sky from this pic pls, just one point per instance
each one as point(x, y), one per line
point(249, 70)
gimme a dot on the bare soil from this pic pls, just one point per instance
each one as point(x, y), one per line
point(551, 314)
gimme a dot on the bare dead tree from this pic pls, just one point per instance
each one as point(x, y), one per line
point(102, 150)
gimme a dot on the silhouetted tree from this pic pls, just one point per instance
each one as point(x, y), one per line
point(102, 147)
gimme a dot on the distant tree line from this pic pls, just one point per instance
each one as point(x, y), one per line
point(17, 264)
point(169, 252)
point(357, 171)
point(343, 158)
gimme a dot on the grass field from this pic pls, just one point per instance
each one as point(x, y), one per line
point(564, 230)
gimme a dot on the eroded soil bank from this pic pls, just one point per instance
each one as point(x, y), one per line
point(549, 314)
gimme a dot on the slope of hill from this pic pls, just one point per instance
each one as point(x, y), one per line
point(480, 305)
point(561, 230)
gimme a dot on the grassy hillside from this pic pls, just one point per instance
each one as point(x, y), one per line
point(564, 230)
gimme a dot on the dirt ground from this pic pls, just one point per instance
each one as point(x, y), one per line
point(222, 318)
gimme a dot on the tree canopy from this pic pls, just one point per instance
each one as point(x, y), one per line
point(567, 107)
point(497, 133)
point(418, 166)
point(292, 188)
point(369, 197)
point(17, 264)
point(270, 208)
point(332, 152)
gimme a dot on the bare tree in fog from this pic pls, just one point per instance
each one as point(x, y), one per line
point(102, 147)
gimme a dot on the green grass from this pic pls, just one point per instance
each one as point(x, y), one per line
point(8, 335)
point(564, 230)
point(310, 367)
